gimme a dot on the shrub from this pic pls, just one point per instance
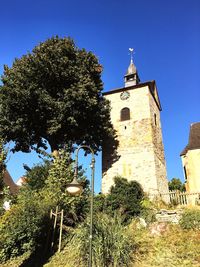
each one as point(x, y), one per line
point(100, 203)
point(22, 229)
point(148, 212)
point(191, 219)
point(125, 197)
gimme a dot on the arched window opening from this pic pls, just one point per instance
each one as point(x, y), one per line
point(125, 114)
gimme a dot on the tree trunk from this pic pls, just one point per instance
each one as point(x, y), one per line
point(54, 149)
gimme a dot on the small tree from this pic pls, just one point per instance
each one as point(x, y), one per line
point(125, 197)
point(36, 176)
point(176, 184)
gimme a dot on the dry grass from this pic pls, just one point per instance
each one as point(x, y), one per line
point(16, 262)
point(175, 248)
point(66, 258)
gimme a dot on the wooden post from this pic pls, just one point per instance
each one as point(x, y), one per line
point(60, 235)
point(48, 236)
point(51, 214)
point(54, 226)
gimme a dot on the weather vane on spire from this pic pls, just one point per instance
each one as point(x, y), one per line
point(131, 53)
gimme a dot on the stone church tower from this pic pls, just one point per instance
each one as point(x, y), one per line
point(135, 115)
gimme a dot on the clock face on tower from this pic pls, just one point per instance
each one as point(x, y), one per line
point(124, 95)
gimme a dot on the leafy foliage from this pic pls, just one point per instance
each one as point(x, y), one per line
point(24, 228)
point(2, 162)
point(125, 197)
point(100, 203)
point(191, 219)
point(53, 94)
point(60, 174)
point(5, 194)
point(176, 184)
point(36, 177)
point(148, 212)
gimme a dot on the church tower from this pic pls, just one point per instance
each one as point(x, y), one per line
point(135, 115)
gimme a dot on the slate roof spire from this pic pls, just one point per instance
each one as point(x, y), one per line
point(131, 77)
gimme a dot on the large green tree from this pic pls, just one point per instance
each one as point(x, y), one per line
point(53, 95)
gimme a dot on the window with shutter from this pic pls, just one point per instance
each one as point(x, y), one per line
point(125, 114)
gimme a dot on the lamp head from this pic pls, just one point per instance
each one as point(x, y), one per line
point(74, 188)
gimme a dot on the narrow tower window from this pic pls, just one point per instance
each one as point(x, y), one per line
point(185, 172)
point(155, 119)
point(125, 114)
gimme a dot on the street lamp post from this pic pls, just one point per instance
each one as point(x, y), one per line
point(75, 188)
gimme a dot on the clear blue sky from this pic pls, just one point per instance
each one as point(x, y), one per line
point(165, 35)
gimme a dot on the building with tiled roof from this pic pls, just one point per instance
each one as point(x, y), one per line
point(21, 181)
point(8, 181)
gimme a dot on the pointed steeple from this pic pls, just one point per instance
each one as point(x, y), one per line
point(131, 68)
point(131, 78)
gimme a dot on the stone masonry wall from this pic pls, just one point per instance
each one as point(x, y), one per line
point(141, 158)
point(159, 155)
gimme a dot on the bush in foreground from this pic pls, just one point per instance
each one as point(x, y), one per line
point(124, 198)
point(24, 228)
point(191, 219)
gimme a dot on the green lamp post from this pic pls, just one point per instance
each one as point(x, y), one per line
point(75, 188)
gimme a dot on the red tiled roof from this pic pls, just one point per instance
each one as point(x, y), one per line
point(8, 181)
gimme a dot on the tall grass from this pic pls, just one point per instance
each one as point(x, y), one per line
point(112, 244)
